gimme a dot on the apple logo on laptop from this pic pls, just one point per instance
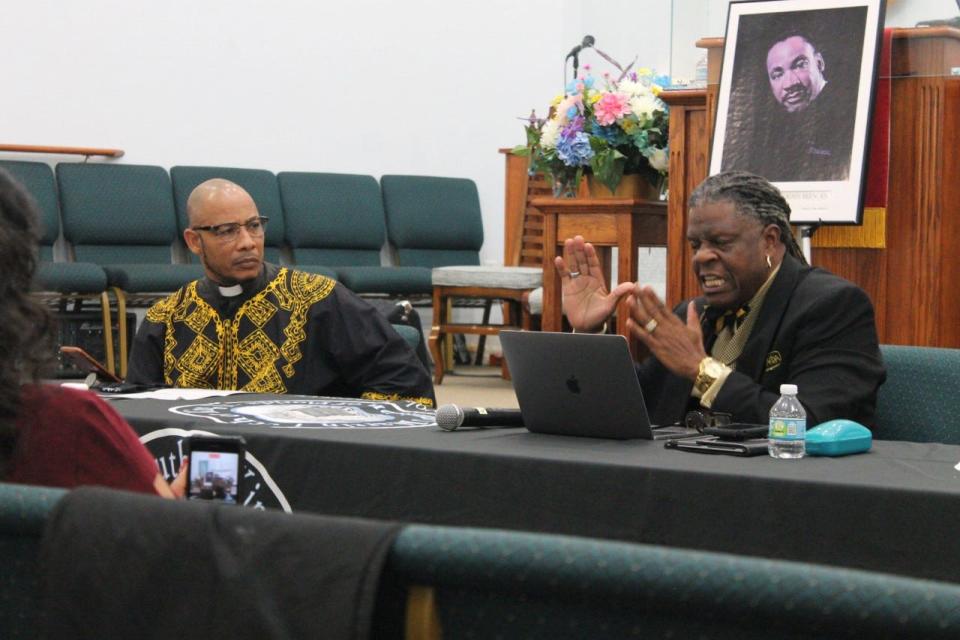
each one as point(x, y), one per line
point(573, 385)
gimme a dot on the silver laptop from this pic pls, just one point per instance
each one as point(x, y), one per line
point(578, 384)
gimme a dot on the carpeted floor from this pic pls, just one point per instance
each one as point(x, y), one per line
point(470, 386)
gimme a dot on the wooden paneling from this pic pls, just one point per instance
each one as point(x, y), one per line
point(689, 142)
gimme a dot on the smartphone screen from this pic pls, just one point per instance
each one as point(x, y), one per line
point(215, 469)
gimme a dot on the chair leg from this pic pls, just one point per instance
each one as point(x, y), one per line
point(422, 619)
point(107, 332)
point(448, 346)
point(436, 336)
point(482, 339)
point(122, 329)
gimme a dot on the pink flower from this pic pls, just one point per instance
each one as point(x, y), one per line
point(610, 107)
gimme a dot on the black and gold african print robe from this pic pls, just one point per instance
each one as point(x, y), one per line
point(286, 332)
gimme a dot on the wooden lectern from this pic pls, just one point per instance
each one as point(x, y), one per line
point(915, 281)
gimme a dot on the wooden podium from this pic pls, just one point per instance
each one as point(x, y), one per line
point(915, 281)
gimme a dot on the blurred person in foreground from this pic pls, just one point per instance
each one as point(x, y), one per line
point(51, 435)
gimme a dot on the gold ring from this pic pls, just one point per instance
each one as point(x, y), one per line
point(651, 326)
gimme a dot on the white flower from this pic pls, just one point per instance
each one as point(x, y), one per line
point(632, 88)
point(658, 158)
point(644, 106)
point(550, 133)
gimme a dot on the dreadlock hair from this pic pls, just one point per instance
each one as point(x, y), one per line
point(753, 196)
point(25, 324)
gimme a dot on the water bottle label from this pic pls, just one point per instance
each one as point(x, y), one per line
point(787, 428)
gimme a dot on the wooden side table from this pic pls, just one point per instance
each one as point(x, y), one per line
point(625, 223)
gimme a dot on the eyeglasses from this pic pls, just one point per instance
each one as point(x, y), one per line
point(230, 231)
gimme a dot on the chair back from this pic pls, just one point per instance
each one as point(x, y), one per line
point(503, 584)
point(432, 221)
point(23, 512)
point(259, 183)
point(117, 214)
point(919, 400)
point(37, 178)
point(332, 219)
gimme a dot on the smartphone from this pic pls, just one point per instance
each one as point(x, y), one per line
point(215, 469)
point(86, 362)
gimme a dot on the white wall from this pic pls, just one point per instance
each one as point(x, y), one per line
point(421, 87)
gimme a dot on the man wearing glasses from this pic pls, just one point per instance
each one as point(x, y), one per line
point(258, 327)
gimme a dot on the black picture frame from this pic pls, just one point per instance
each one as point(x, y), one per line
point(795, 101)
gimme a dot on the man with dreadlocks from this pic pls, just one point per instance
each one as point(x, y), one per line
point(765, 317)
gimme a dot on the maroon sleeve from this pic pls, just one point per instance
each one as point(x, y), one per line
point(69, 438)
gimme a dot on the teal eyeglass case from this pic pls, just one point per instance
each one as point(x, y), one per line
point(838, 438)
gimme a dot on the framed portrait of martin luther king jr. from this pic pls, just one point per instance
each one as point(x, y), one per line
point(795, 98)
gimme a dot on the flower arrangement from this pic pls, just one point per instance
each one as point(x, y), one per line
point(608, 128)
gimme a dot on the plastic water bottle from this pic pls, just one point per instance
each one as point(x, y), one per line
point(788, 425)
point(700, 72)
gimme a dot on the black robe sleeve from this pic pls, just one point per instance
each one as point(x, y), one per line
point(373, 360)
point(145, 365)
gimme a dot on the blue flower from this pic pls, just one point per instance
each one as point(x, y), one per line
point(613, 134)
point(575, 149)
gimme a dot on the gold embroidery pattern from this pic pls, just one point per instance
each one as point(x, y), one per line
point(306, 289)
point(217, 363)
point(255, 350)
point(163, 312)
point(376, 395)
point(260, 311)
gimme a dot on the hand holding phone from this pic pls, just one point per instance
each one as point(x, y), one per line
point(215, 468)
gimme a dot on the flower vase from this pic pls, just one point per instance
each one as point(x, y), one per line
point(565, 188)
point(632, 185)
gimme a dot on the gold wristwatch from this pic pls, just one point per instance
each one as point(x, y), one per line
point(707, 374)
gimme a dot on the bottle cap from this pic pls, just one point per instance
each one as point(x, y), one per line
point(788, 389)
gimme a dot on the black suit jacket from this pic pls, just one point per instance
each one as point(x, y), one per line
point(815, 330)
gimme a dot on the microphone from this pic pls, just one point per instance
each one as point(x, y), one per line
point(586, 44)
point(450, 417)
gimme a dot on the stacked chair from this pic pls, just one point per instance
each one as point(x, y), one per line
point(122, 217)
point(64, 284)
point(436, 223)
point(335, 221)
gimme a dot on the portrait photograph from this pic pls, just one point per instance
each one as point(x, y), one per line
point(795, 100)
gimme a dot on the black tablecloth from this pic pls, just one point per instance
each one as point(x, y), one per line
point(894, 509)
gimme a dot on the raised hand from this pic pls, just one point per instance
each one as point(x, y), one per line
point(586, 301)
point(678, 345)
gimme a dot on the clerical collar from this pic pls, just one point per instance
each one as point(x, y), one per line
point(230, 292)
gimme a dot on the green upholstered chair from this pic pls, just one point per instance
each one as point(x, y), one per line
point(23, 512)
point(122, 217)
point(64, 283)
point(336, 221)
point(259, 183)
point(436, 222)
point(919, 400)
point(484, 583)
